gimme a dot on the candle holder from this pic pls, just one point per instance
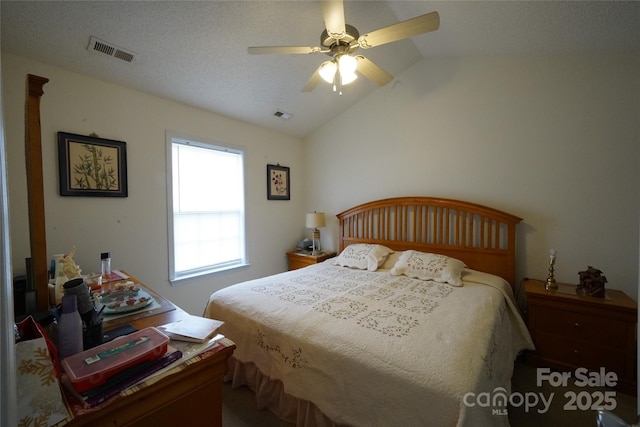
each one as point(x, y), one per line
point(551, 284)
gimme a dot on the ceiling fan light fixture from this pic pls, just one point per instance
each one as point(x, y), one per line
point(347, 78)
point(328, 71)
point(347, 64)
point(340, 41)
point(343, 64)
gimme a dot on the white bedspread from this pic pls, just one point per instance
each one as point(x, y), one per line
point(372, 349)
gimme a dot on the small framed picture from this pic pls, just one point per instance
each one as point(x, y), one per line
point(278, 183)
point(91, 166)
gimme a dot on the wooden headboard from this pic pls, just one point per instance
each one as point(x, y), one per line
point(483, 238)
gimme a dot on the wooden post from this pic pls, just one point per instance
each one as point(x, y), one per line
point(35, 191)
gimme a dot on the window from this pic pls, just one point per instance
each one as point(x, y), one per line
point(206, 208)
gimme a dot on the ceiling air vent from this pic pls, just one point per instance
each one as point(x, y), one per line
point(97, 45)
point(282, 115)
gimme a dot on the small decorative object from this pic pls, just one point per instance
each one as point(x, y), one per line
point(92, 166)
point(65, 270)
point(551, 281)
point(278, 182)
point(315, 220)
point(591, 283)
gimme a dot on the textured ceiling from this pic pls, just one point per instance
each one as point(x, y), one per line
point(196, 52)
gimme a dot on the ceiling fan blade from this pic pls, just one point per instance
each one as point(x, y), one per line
point(313, 81)
point(371, 71)
point(333, 13)
point(268, 50)
point(401, 30)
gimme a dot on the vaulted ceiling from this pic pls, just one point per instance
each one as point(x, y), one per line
point(196, 52)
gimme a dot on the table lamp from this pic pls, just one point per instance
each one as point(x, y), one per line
point(315, 220)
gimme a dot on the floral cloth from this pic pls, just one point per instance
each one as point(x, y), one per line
point(39, 398)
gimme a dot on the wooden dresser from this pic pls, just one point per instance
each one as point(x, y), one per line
point(572, 331)
point(190, 397)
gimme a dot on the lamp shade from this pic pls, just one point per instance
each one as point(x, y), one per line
point(328, 71)
point(315, 220)
point(347, 78)
point(347, 64)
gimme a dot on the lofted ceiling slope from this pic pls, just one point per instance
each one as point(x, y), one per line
point(195, 52)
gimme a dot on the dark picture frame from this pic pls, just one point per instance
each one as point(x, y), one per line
point(278, 183)
point(92, 166)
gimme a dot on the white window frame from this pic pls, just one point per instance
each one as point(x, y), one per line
point(176, 278)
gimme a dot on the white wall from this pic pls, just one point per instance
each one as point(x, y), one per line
point(554, 140)
point(134, 229)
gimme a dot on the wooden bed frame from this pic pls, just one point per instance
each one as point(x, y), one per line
point(482, 237)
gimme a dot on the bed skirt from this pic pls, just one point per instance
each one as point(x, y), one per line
point(270, 395)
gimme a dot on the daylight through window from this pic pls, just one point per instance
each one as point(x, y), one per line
point(206, 197)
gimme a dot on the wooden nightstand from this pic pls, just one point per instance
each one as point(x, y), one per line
point(299, 259)
point(572, 331)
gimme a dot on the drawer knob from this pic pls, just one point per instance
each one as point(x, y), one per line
point(577, 325)
point(576, 352)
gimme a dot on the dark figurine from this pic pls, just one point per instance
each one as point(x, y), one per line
point(591, 283)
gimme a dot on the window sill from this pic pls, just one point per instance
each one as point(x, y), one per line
point(188, 278)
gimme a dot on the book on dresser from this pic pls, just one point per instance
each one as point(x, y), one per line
point(193, 329)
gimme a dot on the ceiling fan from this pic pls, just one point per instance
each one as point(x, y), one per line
point(340, 41)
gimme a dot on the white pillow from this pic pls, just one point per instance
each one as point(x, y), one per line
point(427, 266)
point(390, 261)
point(363, 256)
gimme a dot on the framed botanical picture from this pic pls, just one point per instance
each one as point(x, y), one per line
point(278, 183)
point(91, 166)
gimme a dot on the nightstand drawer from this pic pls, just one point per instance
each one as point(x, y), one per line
point(592, 355)
point(581, 327)
point(301, 259)
point(299, 262)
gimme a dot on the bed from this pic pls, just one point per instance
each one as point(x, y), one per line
point(414, 323)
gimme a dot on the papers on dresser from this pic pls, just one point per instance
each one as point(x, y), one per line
point(188, 350)
point(192, 349)
point(193, 329)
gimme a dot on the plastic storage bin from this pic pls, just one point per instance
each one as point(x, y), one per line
point(91, 368)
